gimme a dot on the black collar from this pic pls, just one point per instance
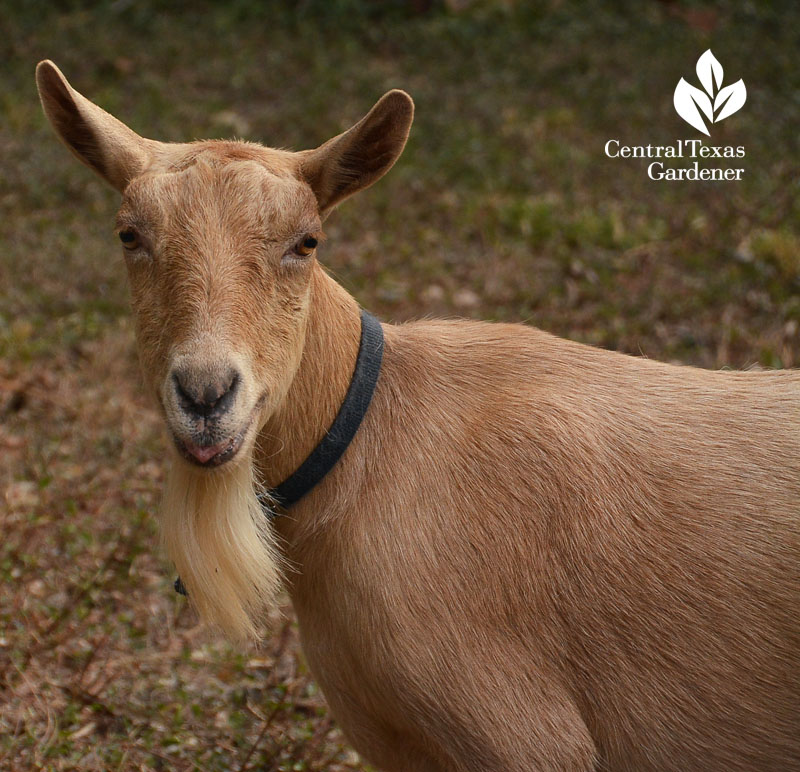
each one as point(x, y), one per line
point(344, 427)
point(341, 432)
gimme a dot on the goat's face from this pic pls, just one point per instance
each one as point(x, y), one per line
point(219, 240)
point(219, 246)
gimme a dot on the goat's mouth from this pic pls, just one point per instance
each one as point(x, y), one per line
point(211, 455)
point(204, 448)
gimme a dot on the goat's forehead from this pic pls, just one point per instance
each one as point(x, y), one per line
point(240, 189)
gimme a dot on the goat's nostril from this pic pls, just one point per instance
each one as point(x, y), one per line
point(201, 394)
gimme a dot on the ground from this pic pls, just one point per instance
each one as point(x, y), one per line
point(504, 206)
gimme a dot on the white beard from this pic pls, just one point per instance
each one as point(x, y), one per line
point(217, 534)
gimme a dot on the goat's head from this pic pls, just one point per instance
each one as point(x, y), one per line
point(219, 240)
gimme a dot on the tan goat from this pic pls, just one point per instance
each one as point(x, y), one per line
point(533, 555)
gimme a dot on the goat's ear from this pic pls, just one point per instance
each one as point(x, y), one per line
point(98, 139)
point(363, 154)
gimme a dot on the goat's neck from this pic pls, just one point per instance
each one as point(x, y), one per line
point(331, 346)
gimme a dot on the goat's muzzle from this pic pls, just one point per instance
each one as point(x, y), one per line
point(204, 426)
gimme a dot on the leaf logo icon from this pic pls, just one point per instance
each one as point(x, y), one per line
point(714, 103)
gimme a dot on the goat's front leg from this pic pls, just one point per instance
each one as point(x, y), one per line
point(512, 731)
point(560, 754)
point(557, 740)
point(509, 716)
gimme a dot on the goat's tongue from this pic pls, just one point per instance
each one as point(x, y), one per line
point(203, 454)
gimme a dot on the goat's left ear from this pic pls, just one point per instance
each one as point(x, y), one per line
point(363, 154)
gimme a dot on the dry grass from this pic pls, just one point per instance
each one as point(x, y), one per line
point(503, 207)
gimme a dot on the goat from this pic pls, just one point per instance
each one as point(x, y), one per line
point(532, 555)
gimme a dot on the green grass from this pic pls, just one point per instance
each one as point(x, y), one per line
point(503, 206)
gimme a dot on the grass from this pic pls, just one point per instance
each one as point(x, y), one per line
point(504, 206)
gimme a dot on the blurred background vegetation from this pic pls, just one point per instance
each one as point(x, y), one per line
point(504, 206)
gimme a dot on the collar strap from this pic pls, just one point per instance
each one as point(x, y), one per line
point(344, 427)
point(341, 432)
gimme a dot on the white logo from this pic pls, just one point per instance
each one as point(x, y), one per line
point(715, 103)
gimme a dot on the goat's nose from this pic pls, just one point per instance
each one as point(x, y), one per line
point(205, 394)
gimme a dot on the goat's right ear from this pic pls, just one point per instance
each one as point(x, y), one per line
point(103, 143)
point(363, 154)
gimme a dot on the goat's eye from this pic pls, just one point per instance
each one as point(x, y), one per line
point(305, 247)
point(129, 239)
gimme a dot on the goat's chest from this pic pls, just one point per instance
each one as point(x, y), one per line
point(367, 634)
point(361, 657)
